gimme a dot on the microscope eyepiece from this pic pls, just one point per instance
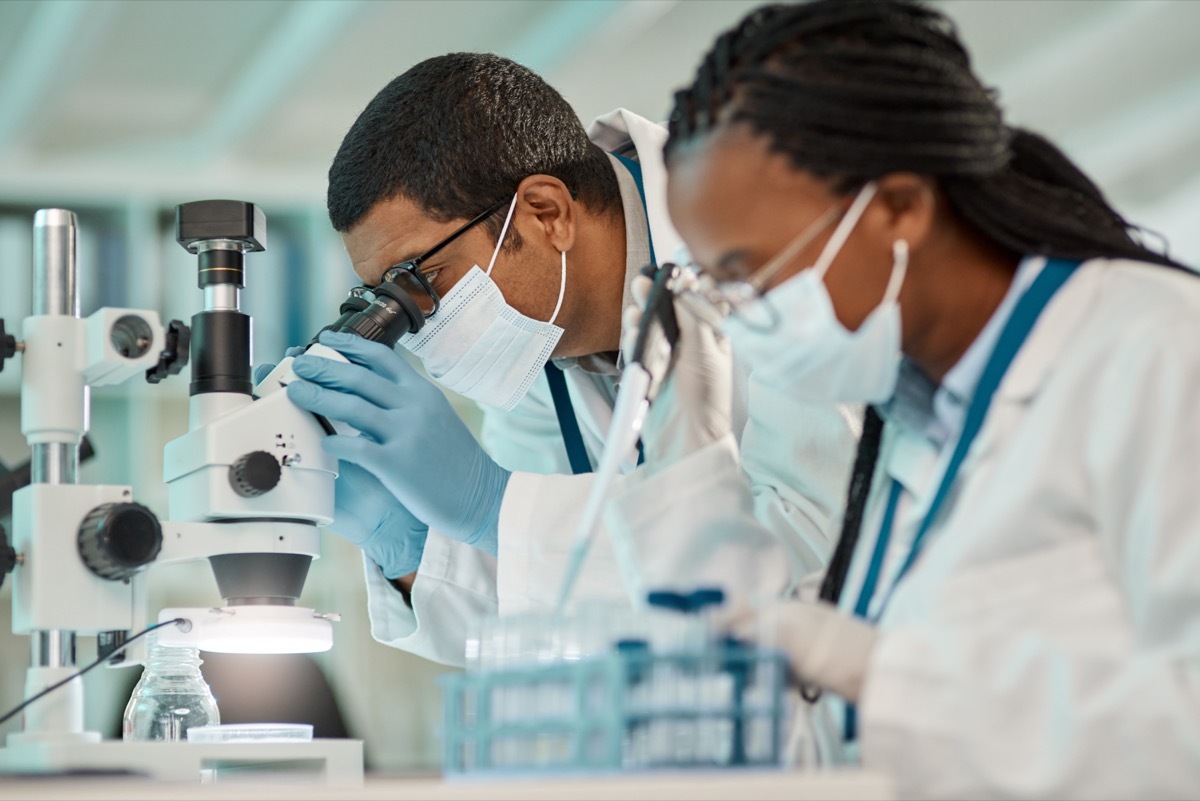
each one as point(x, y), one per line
point(357, 300)
point(392, 314)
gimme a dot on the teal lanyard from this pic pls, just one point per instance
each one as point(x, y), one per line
point(635, 169)
point(568, 424)
point(564, 410)
point(1025, 315)
point(881, 545)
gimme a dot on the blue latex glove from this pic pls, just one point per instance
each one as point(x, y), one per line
point(264, 370)
point(411, 438)
point(369, 516)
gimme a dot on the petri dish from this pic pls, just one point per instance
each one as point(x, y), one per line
point(251, 733)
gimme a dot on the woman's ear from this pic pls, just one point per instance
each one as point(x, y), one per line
point(547, 200)
point(906, 209)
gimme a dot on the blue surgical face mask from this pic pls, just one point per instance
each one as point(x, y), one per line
point(810, 354)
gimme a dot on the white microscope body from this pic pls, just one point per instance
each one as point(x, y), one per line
point(72, 577)
point(249, 484)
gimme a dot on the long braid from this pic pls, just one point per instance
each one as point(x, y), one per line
point(856, 503)
point(861, 478)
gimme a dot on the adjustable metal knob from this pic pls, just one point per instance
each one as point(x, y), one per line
point(118, 539)
point(254, 473)
point(8, 346)
point(174, 356)
point(8, 557)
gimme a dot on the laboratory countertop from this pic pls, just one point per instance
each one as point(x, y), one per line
point(692, 786)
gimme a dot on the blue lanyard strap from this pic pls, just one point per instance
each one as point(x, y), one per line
point(881, 545)
point(565, 411)
point(1025, 315)
point(861, 608)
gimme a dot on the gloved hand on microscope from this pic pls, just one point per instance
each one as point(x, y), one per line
point(368, 515)
point(413, 465)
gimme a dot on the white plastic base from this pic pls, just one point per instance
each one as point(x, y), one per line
point(330, 762)
point(57, 714)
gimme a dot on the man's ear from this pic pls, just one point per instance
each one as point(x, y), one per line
point(547, 200)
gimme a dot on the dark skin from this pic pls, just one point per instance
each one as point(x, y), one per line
point(736, 203)
point(550, 221)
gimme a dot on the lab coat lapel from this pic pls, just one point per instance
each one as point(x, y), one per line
point(1037, 359)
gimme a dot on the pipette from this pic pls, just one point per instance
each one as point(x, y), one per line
point(648, 366)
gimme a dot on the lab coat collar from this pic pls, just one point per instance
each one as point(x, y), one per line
point(913, 444)
point(1053, 331)
point(937, 412)
point(616, 131)
point(1036, 360)
point(959, 383)
point(623, 132)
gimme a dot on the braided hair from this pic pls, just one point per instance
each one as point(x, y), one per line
point(850, 90)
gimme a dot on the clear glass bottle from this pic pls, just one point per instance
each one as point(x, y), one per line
point(170, 698)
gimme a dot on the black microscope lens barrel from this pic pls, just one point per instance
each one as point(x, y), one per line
point(355, 302)
point(222, 267)
point(392, 314)
point(221, 352)
point(372, 324)
point(335, 326)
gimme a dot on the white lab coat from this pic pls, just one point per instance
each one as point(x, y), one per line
point(457, 585)
point(1046, 644)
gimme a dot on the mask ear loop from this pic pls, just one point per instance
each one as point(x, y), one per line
point(511, 208)
point(899, 270)
point(562, 289)
point(842, 232)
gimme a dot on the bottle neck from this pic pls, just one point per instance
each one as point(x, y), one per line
point(162, 660)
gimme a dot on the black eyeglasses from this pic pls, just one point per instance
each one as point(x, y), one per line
point(408, 276)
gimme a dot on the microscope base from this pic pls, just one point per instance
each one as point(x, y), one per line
point(323, 761)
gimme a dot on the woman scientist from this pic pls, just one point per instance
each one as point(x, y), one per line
point(1021, 613)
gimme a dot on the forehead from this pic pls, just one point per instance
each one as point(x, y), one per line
point(730, 183)
point(392, 231)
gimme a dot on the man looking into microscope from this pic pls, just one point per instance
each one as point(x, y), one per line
point(519, 235)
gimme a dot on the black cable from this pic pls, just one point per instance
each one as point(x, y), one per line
point(77, 674)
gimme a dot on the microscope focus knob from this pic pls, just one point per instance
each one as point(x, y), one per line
point(118, 539)
point(8, 557)
point(174, 357)
point(254, 473)
point(8, 345)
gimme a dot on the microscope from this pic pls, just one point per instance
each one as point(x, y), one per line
point(248, 486)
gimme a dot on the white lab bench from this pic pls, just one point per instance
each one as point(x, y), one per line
point(692, 786)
